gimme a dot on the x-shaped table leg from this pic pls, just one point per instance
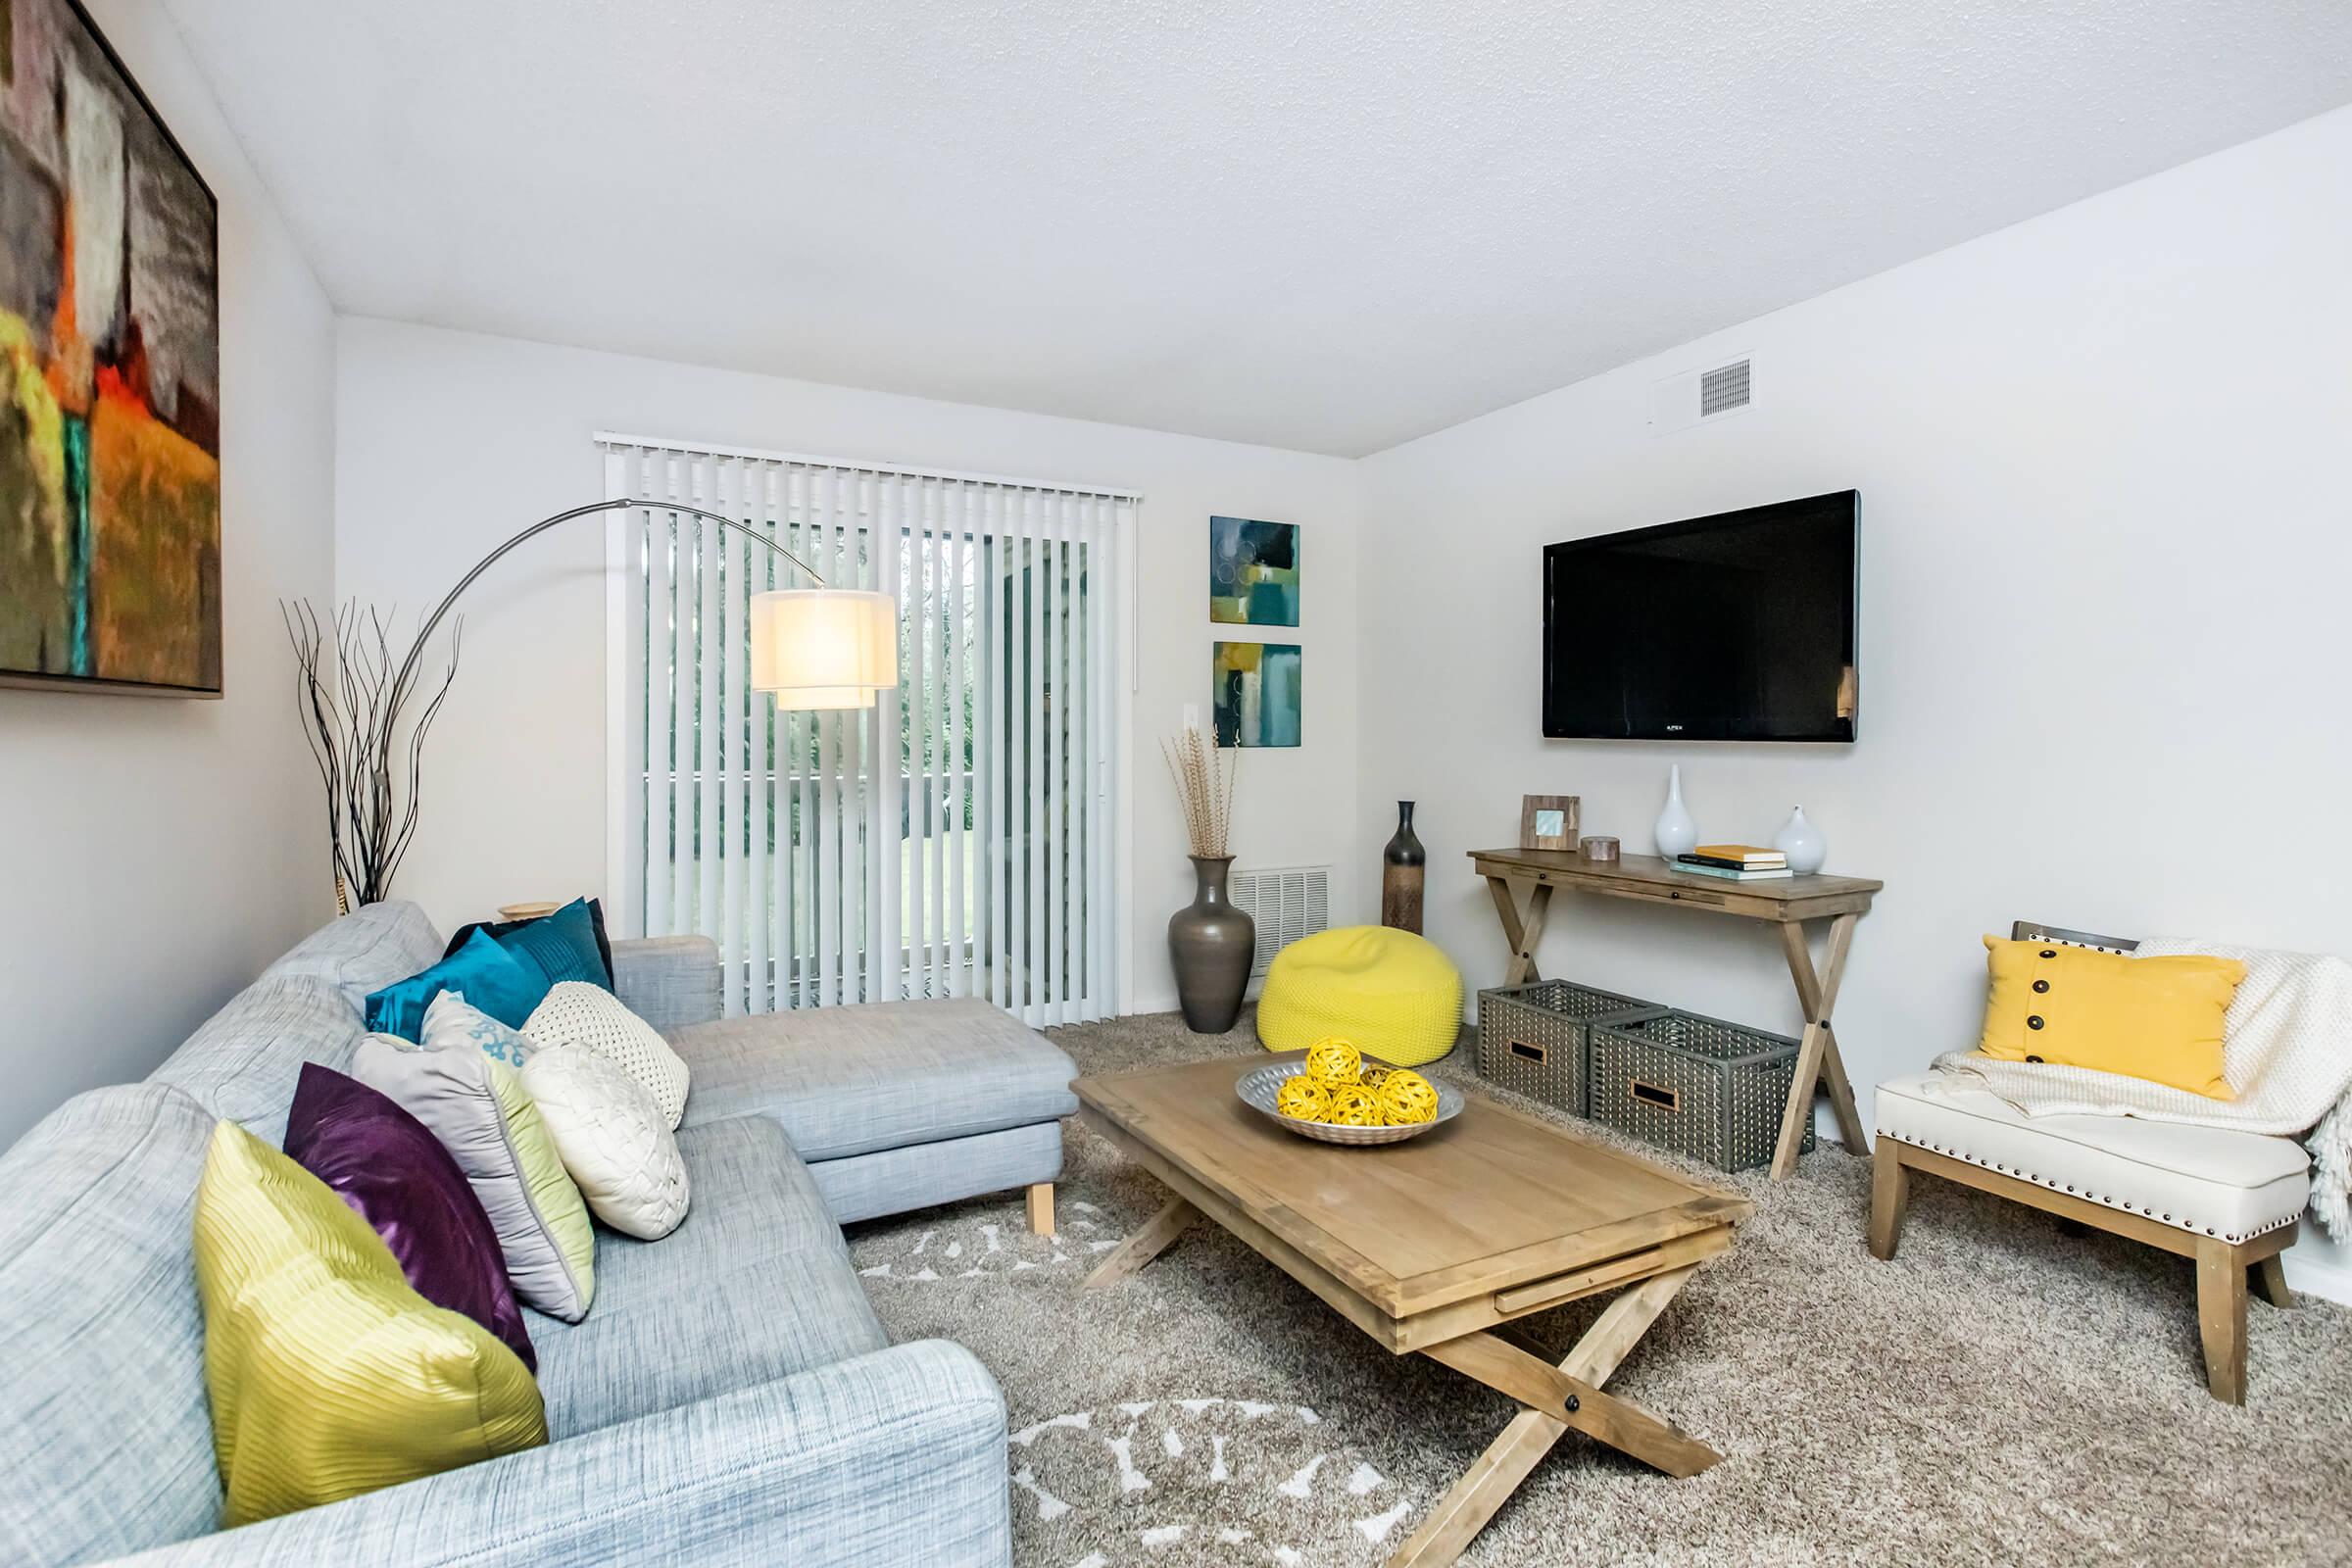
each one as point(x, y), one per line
point(1524, 935)
point(1556, 1399)
point(1816, 1057)
point(1156, 1234)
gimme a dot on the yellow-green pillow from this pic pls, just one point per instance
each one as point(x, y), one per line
point(2153, 1018)
point(329, 1375)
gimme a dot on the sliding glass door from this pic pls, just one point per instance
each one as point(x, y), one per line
point(956, 840)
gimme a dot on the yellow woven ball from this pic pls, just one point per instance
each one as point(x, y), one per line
point(1333, 1061)
point(1374, 1075)
point(1354, 1106)
point(1406, 1099)
point(1303, 1098)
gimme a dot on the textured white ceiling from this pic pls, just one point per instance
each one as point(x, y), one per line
point(1328, 226)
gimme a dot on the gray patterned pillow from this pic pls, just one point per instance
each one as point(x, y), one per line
point(484, 1117)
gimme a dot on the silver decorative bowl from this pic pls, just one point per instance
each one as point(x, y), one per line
point(1260, 1085)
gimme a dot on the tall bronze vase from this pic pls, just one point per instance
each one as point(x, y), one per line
point(1211, 944)
point(1403, 865)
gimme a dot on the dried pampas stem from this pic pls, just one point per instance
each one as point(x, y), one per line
point(1205, 785)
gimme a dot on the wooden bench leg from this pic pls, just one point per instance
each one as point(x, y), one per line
point(2270, 1277)
point(1890, 1196)
point(2222, 1318)
point(1041, 1208)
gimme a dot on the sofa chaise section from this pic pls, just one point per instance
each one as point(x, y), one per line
point(895, 1105)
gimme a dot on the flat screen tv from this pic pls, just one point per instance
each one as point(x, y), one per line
point(1735, 627)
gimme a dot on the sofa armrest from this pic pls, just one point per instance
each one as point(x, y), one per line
point(890, 1459)
point(670, 982)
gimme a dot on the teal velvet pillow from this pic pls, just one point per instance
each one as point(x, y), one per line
point(491, 978)
point(561, 946)
point(569, 933)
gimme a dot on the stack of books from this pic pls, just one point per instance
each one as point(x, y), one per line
point(1734, 862)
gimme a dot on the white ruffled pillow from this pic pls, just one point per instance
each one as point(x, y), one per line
point(577, 1014)
point(608, 1132)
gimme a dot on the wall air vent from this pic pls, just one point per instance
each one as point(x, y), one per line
point(1287, 902)
point(1679, 401)
point(1722, 390)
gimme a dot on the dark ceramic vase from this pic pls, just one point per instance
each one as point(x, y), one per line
point(1403, 865)
point(1211, 944)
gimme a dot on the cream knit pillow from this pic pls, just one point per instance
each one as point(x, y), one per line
point(609, 1133)
point(577, 1014)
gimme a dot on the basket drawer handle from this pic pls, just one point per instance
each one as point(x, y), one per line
point(1652, 1095)
point(1533, 1053)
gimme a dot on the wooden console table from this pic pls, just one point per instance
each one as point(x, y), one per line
point(1785, 903)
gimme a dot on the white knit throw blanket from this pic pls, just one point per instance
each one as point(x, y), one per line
point(2286, 1049)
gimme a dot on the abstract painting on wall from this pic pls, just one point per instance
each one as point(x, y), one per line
point(110, 373)
point(1252, 572)
point(1256, 694)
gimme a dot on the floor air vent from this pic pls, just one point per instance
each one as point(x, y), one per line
point(1287, 902)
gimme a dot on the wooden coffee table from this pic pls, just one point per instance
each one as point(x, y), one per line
point(1433, 1246)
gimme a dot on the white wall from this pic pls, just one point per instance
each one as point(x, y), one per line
point(447, 442)
point(2105, 639)
point(158, 853)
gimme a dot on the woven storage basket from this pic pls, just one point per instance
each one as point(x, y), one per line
point(1701, 1087)
point(1531, 1039)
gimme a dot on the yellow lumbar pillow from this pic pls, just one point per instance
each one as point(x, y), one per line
point(329, 1375)
point(2153, 1018)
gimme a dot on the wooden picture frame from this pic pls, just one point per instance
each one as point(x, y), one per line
point(1548, 822)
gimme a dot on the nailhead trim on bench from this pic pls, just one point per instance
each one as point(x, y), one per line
point(2096, 1198)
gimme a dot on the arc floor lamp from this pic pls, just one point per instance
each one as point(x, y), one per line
point(815, 648)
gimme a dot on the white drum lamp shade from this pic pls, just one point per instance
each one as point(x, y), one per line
point(819, 648)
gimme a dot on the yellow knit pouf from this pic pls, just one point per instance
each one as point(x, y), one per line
point(1391, 993)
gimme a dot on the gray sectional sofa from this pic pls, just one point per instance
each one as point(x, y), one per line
point(729, 1399)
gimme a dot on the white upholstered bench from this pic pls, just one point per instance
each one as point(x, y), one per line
point(2230, 1199)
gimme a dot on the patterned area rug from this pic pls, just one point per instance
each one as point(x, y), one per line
point(2000, 1393)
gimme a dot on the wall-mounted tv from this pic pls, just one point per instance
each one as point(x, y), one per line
point(1735, 627)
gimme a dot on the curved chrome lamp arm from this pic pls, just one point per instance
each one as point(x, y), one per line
point(408, 669)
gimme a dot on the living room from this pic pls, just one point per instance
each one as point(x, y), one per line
point(1414, 313)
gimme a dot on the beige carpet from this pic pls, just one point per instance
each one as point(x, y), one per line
point(2000, 1393)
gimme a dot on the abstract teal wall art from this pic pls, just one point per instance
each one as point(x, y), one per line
point(109, 375)
point(1256, 690)
point(1252, 572)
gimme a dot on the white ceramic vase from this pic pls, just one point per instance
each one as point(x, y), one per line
point(1675, 832)
point(1802, 842)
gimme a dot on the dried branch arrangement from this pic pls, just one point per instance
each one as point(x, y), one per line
point(352, 704)
point(1204, 784)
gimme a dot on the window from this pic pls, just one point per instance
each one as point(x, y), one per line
point(955, 840)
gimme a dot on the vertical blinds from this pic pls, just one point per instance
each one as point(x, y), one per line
point(955, 840)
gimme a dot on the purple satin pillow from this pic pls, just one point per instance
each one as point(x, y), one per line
point(390, 1168)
